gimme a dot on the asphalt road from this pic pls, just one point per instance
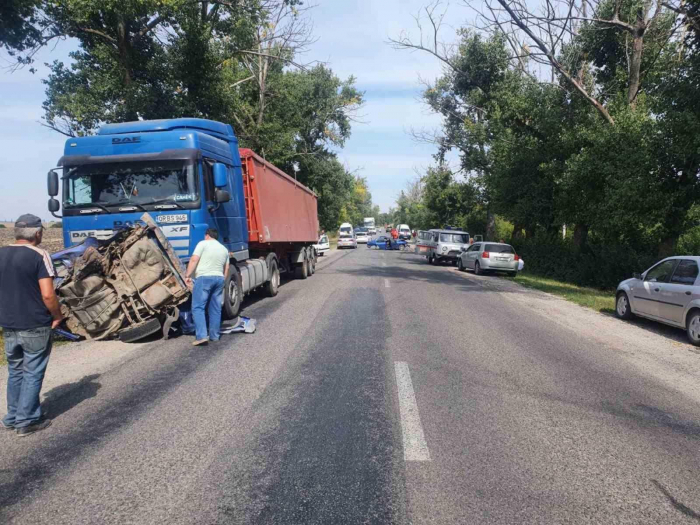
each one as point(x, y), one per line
point(380, 390)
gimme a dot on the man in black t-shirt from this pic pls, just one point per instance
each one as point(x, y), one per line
point(29, 310)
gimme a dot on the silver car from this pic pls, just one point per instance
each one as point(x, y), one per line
point(668, 292)
point(446, 245)
point(489, 256)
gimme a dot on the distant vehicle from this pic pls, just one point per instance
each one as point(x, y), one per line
point(382, 243)
point(323, 245)
point(361, 235)
point(388, 229)
point(446, 245)
point(347, 240)
point(489, 256)
point(369, 224)
point(404, 232)
point(668, 292)
point(346, 227)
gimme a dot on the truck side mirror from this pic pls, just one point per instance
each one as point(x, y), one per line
point(220, 175)
point(54, 205)
point(52, 183)
point(222, 196)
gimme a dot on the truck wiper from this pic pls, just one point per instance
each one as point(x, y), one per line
point(88, 205)
point(165, 201)
point(129, 204)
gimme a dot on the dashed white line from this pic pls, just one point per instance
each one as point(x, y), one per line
point(386, 283)
point(415, 447)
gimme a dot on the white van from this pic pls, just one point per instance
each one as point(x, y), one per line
point(404, 232)
point(346, 228)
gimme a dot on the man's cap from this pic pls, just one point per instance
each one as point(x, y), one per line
point(28, 221)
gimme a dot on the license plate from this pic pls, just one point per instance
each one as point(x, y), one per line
point(170, 219)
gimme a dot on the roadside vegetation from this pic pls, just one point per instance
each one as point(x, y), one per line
point(599, 300)
point(576, 128)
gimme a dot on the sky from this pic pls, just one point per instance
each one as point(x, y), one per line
point(352, 40)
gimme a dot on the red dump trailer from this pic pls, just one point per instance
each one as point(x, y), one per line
point(282, 218)
point(278, 208)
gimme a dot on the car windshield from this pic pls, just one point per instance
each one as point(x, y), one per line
point(499, 248)
point(142, 182)
point(457, 238)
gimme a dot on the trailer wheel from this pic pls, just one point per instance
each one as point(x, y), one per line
point(310, 262)
point(301, 271)
point(139, 331)
point(272, 286)
point(233, 293)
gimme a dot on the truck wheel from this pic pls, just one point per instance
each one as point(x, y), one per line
point(139, 331)
point(272, 286)
point(314, 260)
point(233, 293)
point(309, 263)
point(301, 271)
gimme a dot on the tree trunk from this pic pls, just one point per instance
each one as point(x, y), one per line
point(518, 231)
point(635, 66)
point(667, 247)
point(580, 235)
point(490, 226)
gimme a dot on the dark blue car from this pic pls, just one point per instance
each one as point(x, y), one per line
point(382, 243)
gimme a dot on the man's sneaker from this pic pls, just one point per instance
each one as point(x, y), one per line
point(34, 427)
point(200, 342)
point(5, 427)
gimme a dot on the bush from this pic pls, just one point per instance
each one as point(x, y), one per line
point(2, 226)
point(58, 224)
point(598, 265)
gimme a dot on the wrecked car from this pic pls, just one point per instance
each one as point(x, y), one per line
point(128, 286)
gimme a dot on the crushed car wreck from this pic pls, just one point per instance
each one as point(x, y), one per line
point(127, 286)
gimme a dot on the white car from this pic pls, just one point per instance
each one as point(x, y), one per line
point(323, 245)
point(347, 240)
point(668, 292)
point(361, 236)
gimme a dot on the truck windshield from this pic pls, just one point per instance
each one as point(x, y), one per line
point(457, 238)
point(125, 183)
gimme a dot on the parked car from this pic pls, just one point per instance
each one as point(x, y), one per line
point(382, 243)
point(404, 232)
point(668, 292)
point(323, 245)
point(361, 235)
point(347, 240)
point(445, 245)
point(489, 256)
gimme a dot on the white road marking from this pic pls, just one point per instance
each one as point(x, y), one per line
point(415, 447)
point(386, 283)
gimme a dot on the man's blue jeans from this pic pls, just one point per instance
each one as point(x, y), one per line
point(207, 295)
point(27, 353)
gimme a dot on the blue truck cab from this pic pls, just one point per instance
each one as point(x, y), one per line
point(185, 172)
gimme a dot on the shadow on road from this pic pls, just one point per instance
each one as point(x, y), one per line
point(676, 504)
point(63, 398)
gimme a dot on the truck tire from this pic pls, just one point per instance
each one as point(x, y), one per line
point(233, 294)
point(139, 331)
point(301, 271)
point(272, 286)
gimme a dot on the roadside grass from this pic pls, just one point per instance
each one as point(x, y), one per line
point(599, 300)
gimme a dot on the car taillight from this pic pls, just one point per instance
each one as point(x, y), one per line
point(485, 255)
point(516, 258)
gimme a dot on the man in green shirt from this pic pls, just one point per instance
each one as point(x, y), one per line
point(209, 264)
